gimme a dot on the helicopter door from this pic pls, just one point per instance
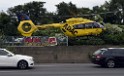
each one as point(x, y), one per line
point(84, 29)
point(98, 27)
point(80, 28)
point(89, 29)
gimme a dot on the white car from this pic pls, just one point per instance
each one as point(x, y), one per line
point(8, 59)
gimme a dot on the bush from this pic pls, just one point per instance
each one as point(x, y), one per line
point(113, 35)
point(91, 40)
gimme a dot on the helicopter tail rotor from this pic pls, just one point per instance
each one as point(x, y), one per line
point(27, 27)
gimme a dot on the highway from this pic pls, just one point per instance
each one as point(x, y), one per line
point(63, 70)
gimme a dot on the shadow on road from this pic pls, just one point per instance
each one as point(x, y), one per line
point(12, 68)
point(8, 68)
point(98, 66)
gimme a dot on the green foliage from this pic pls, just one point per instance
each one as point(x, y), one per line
point(113, 35)
point(8, 25)
point(89, 40)
point(66, 10)
point(47, 32)
point(116, 7)
point(113, 28)
point(33, 9)
point(84, 11)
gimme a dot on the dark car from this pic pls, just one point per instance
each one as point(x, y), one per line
point(108, 57)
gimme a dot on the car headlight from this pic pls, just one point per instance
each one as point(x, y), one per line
point(31, 59)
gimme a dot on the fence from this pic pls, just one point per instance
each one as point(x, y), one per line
point(33, 41)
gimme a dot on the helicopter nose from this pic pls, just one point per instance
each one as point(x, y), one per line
point(103, 28)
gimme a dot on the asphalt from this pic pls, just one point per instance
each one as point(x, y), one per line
point(64, 70)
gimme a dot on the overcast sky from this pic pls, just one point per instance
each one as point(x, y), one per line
point(50, 4)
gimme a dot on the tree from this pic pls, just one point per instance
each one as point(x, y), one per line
point(34, 10)
point(84, 12)
point(7, 25)
point(117, 6)
point(66, 10)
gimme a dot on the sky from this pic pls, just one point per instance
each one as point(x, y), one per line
point(50, 4)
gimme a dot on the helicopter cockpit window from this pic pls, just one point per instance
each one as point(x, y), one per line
point(96, 25)
point(100, 25)
point(89, 25)
point(80, 26)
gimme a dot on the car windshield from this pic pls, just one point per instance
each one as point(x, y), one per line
point(9, 52)
point(100, 51)
point(2, 52)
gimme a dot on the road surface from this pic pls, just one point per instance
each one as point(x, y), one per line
point(63, 70)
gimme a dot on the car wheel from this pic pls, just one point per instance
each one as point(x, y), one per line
point(22, 64)
point(110, 64)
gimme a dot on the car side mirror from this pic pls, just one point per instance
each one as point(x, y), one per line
point(9, 55)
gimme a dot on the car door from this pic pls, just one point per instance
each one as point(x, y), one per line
point(122, 55)
point(119, 56)
point(6, 59)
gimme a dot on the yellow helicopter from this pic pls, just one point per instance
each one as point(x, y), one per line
point(73, 27)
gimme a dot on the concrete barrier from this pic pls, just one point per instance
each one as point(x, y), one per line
point(59, 54)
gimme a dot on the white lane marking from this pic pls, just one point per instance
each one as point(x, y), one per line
point(13, 71)
point(7, 71)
